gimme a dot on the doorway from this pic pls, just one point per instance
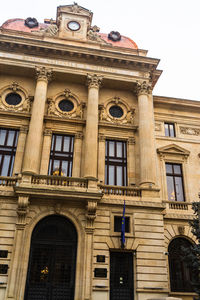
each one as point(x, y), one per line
point(52, 261)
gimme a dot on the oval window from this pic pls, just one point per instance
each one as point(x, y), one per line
point(116, 111)
point(66, 105)
point(13, 99)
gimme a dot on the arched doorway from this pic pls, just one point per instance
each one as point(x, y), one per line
point(180, 273)
point(52, 261)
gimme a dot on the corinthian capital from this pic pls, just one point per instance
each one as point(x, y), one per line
point(144, 88)
point(43, 74)
point(94, 80)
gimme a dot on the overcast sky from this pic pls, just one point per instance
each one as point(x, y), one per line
point(169, 29)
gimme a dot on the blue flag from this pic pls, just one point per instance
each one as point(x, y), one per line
point(123, 228)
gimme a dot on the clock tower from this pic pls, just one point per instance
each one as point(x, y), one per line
point(73, 21)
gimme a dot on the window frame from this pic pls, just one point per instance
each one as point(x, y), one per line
point(174, 175)
point(7, 150)
point(168, 130)
point(61, 156)
point(116, 162)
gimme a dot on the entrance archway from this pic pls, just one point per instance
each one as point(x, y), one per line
point(52, 260)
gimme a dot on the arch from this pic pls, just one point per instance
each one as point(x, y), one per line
point(52, 260)
point(180, 273)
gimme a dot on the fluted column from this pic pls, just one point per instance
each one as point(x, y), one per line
point(91, 133)
point(20, 150)
point(76, 171)
point(101, 158)
point(46, 152)
point(146, 135)
point(34, 139)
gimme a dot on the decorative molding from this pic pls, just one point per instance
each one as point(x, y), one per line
point(22, 209)
point(157, 127)
point(92, 35)
point(102, 138)
point(24, 129)
point(131, 141)
point(189, 130)
point(94, 81)
point(47, 132)
point(173, 149)
point(79, 135)
point(53, 106)
point(128, 113)
point(143, 88)
point(91, 214)
point(43, 74)
point(24, 105)
point(181, 230)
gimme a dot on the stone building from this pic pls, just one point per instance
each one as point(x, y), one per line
point(82, 138)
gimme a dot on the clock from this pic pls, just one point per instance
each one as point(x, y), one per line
point(73, 25)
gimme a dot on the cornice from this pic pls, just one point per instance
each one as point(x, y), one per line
point(176, 103)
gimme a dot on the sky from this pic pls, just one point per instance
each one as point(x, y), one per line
point(168, 29)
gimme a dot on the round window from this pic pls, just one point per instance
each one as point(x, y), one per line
point(66, 105)
point(13, 99)
point(116, 111)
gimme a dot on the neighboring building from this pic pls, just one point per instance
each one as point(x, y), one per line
point(80, 132)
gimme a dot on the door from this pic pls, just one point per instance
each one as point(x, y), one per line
point(121, 276)
point(52, 262)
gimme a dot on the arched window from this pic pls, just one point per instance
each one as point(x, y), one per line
point(180, 272)
point(52, 261)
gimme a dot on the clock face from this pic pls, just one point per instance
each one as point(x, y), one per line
point(73, 25)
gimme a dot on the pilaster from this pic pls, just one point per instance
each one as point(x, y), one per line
point(46, 151)
point(20, 150)
point(76, 171)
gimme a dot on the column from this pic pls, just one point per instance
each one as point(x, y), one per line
point(76, 171)
point(91, 132)
point(131, 161)
point(101, 158)
point(46, 152)
point(34, 139)
point(20, 150)
point(146, 136)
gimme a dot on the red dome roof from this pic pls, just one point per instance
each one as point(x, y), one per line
point(19, 25)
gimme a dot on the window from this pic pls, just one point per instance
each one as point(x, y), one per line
point(118, 224)
point(8, 145)
point(116, 163)
point(170, 129)
point(61, 156)
point(180, 272)
point(174, 182)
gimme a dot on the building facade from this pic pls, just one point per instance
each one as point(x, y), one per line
point(82, 141)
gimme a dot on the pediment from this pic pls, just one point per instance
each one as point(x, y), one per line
point(173, 149)
point(74, 9)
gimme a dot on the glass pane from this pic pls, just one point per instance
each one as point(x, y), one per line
point(125, 177)
point(17, 134)
point(5, 166)
point(70, 169)
point(64, 168)
point(12, 163)
point(168, 168)
point(58, 143)
point(56, 165)
point(166, 130)
point(179, 189)
point(177, 169)
point(119, 149)
point(119, 175)
point(106, 182)
point(11, 135)
point(111, 148)
point(2, 136)
point(111, 171)
point(124, 150)
point(66, 143)
point(52, 143)
point(170, 188)
point(171, 128)
point(50, 163)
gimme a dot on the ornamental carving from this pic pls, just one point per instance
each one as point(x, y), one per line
point(93, 35)
point(91, 213)
point(66, 105)
point(43, 74)
point(181, 230)
point(157, 127)
point(22, 210)
point(14, 98)
point(144, 88)
point(94, 80)
point(116, 111)
point(190, 130)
